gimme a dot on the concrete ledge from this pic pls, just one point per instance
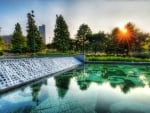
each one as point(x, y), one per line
point(6, 90)
point(16, 72)
point(81, 58)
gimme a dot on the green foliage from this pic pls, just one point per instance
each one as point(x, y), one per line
point(141, 55)
point(97, 42)
point(34, 40)
point(116, 58)
point(112, 42)
point(83, 31)
point(73, 45)
point(120, 43)
point(55, 53)
point(62, 84)
point(1, 44)
point(145, 45)
point(35, 92)
point(18, 41)
point(1, 53)
point(61, 39)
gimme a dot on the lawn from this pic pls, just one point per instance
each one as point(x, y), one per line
point(116, 58)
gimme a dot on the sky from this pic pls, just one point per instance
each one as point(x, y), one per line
point(100, 15)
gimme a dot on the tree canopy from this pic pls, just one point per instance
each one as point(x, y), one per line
point(83, 31)
point(97, 42)
point(61, 39)
point(34, 40)
point(128, 39)
point(18, 40)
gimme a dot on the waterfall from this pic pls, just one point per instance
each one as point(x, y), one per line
point(14, 72)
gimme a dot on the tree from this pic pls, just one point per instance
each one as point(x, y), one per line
point(34, 40)
point(127, 39)
point(111, 46)
point(146, 44)
point(18, 40)
point(1, 44)
point(35, 92)
point(61, 39)
point(83, 31)
point(142, 39)
point(62, 84)
point(72, 44)
point(133, 38)
point(97, 41)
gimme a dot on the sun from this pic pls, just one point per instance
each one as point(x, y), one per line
point(123, 35)
point(124, 30)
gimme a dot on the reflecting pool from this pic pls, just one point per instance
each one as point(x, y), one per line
point(90, 88)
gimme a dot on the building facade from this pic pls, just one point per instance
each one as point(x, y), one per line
point(42, 30)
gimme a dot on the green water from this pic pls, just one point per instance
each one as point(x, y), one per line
point(92, 88)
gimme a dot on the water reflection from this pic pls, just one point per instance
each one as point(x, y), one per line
point(35, 92)
point(126, 77)
point(62, 84)
point(81, 79)
point(89, 88)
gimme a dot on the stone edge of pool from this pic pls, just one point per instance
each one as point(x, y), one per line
point(34, 80)
point(73, 60)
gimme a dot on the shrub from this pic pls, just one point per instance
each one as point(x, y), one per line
point(142, 55)
point(1, 53)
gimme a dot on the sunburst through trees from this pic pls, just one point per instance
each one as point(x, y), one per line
point(126, 38)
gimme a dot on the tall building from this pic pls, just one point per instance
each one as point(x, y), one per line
point(43, 32)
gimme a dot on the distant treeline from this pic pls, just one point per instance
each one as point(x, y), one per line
point(124, 41)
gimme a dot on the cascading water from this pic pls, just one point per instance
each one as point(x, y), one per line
point(18, 71)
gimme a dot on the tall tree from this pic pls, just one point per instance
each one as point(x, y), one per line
point(116, 43)
point(18, 40)
point(132, 36)
point(61, 39)
point(111, 42)
point(83, 31)
point(34, 40)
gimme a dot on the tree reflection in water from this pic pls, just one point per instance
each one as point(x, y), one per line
point(116, 75)
point(100, 88)
point(35, 92)
point(62, 84)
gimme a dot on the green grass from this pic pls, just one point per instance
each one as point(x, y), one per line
point(45, 53)
point(55, 53)
point(116, 58)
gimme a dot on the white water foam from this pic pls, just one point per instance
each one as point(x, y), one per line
point(17, 71)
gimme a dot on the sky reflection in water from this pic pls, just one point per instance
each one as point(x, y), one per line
point(91, 88)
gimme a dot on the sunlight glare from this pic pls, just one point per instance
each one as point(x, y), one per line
point(124, 30)
point(124, 35)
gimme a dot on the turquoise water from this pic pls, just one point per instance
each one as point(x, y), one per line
point(91, 88)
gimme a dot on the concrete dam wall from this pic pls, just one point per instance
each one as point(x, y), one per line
point(14, 72)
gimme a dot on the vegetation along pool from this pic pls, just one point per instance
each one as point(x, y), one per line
point(90, 88)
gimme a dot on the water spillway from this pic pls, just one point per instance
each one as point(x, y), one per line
point(14, 72)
